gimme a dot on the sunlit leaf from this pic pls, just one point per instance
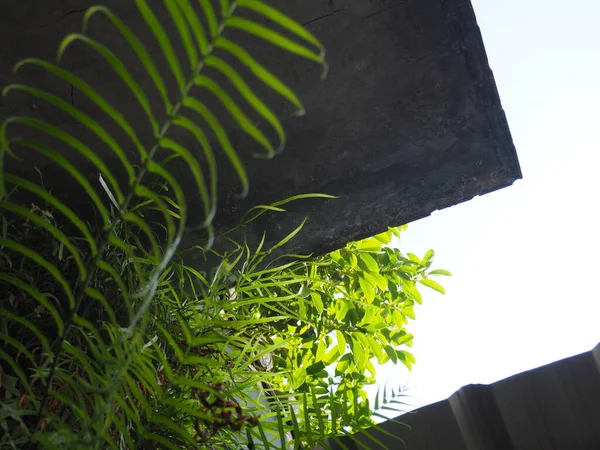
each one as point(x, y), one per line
point(391, 353)
point(384, 238)
point(414, 258)
point(367, 289)
point(260, 72)
point(440, 272)
point(341, 342)
point(298, 377)
point(433, 285)
point(164, 42)
point(428, 258)
point(369, 245)
point(273, 37)
point(368, 263)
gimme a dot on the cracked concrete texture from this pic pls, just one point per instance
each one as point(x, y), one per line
point(408, 120)
point(335, 11)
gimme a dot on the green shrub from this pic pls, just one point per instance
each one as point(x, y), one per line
point(108, 338)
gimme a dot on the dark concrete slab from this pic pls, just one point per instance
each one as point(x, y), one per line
point(408, 121)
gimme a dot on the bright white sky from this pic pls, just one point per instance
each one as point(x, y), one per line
point(525, 259)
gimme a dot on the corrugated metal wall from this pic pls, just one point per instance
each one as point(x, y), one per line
point(554, 407)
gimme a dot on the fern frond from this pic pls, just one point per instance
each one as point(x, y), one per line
point(86, 287)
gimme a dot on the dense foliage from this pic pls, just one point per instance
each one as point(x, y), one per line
point(108, 339)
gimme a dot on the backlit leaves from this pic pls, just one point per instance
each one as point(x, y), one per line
point(433, 285)
point(358, 300)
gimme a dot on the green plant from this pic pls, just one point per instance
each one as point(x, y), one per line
point(108, 339)
point(289, 341)
point(327, 320)
point(76, 293)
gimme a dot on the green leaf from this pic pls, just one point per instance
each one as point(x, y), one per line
point(53, 155)
point(295, 427)
point(384, 238)
point(133, 218)
point(290, 236)
point(38, 259)
point(409, 311)
point(412, 292)
point(195, 25)
point(55, 232)
point(398, 318)
point(210, 16)
point(358, 354)
point(332, 355)
point(376, 347)
point(164, 42)
point(371, 368)
point(281, 20)
point(336, 256)
point(260, 72)
point(259, 106)
point(342, 308)
point(95, 294)
point(433, 285)
point(391, 353)
point(406, 358)
point(341, 341)
point(7, 315)
point(236, 112)
point(184, 32)
point(414, 258)
point(307, 421)
point(89, 92)
point(440, 272)
point(141, 52)
point(368, 263)
point(274, 38)
point(175, 428)
point(369, 245)
point(301, 307)
point(367, 289)
point(226, 8)
point(263, 436)
point(311, 195)
point(405, 274)
point(352, 317)
point(317, 302)
point(401, 338)
point(428, 258)
point(378, 280)
point(194, 167)
point(396, 231)
point(189, 125)
point(353, 261)
point(139, 396)
point(280, 427)
point(317, 408)
point(315, 368)
point(223, 139)
point(80, 117)
point(374, 439)
point(343, 364)
point(119, 68)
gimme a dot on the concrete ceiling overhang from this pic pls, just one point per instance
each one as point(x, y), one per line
point(408, 120)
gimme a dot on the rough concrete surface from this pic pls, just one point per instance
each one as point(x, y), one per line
point(408, 120)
